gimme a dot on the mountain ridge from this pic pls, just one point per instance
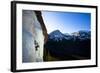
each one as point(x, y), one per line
point(56, 35)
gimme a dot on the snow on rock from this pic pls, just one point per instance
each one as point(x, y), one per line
point(58, 36)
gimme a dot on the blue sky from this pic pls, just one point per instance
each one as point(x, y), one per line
point(66, 22)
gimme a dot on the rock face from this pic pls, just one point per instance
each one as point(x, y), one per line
point(33, 36)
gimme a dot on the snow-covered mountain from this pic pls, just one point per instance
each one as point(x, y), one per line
point(82, 35)
point(58, 36)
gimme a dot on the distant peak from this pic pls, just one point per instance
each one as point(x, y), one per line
point(56, 31)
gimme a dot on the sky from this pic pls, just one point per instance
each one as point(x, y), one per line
point(66, 22)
